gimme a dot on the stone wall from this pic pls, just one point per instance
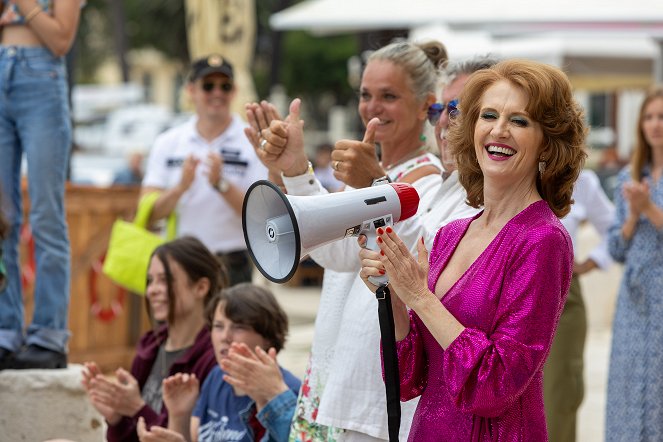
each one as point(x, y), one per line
point(38, 405)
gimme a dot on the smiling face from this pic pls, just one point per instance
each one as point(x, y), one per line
point(652, 124)
point(187, 295)
point(212, 104)
point(385, 93)
point(507, 141)
point(225, 332)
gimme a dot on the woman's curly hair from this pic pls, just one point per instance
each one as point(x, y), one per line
point(551, 104)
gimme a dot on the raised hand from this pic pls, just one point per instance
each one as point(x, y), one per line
point(280, 144)
point(188, 172)
point(180, 393)
point(256, 373)
point(355, 162)
point(214, 168)
point(157, 433)
point(638, 196)
point(90, 372)
point(121, 394)
point(408, 275)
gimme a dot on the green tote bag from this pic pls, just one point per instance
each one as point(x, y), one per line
point(131, 245)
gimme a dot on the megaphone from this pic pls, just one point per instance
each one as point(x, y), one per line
point(280, 229)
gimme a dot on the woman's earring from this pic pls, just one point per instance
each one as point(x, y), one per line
point(542, 167)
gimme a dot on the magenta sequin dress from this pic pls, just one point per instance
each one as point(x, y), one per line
point(487, 386)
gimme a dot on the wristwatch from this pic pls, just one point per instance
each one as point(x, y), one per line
point(381, 180)
point(222, 186)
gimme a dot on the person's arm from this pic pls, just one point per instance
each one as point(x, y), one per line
point(624, 224)
point(278, 143)
point(412, 358)
point(255, 372)
point(258, 374)
point(126, 399)
point(90, 372)
point(648, 207)
point(157, 433)
point(180, 393)
point(168, 198)
point(55, 31)
point(277, 414)
point(601, 214)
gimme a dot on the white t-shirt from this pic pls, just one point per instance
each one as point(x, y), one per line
point(202, 211)
point(591, 204)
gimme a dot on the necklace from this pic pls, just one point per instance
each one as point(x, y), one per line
point(415, 153)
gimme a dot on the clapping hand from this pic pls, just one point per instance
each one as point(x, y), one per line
point(156, 433)
point(90, 373)
point(637, 195)
point(188, 172)
point(180, 393)
point(121, 394)
point(215, 168)
point(407, 275)
point(256, 373)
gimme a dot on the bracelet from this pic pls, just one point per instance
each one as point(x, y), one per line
point(33, 13)
point(309, 173)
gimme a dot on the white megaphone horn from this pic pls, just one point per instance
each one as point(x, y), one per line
point(280, 229)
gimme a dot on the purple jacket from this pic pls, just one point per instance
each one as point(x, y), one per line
point(198, 360)
point(487, 385)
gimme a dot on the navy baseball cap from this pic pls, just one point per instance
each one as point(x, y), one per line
point(212, 64)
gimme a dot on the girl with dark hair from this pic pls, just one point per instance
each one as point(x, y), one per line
point(182, 278)
point(248, 397)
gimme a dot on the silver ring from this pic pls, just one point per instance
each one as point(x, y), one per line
point(262, 144)
point(335, 165)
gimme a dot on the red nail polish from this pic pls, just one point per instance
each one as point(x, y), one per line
point(381, 253)
point(389, 230)
point(379, 239)
point(380, 231)
point(381, 272)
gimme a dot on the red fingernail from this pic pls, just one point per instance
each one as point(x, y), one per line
point(381, 272)
point(379, 239)
point(380, 231)
point(381, 253)
point(389, 230)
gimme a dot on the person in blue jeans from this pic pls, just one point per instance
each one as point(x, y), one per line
point(35, 121)
point(248, 396)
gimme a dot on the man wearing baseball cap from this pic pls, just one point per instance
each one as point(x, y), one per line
point(204, 167)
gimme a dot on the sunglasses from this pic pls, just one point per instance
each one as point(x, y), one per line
point(436, 109)
point(209, 86)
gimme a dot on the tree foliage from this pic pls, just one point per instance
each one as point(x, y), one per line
point(309, 66)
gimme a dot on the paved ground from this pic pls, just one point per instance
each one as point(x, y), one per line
point(599, 288)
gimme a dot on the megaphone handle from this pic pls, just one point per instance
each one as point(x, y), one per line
point(371, 243)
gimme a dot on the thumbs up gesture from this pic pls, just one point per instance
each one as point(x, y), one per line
point(279, 143)
point(355, 162)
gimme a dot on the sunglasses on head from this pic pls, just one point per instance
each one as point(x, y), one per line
point(436, 109)
point(209, 86)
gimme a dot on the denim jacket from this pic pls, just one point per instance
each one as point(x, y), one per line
point(276, 417)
